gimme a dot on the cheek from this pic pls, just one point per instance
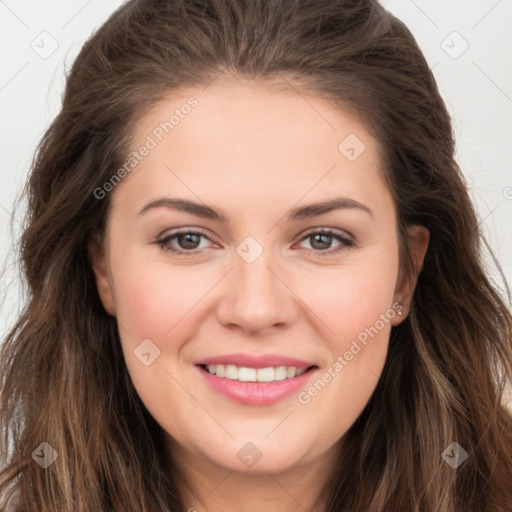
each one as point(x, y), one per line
point(152, 298)
point(356, 306)
point(352, 297)
point(151, 308)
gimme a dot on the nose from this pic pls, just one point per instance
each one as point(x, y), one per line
point(256, 297)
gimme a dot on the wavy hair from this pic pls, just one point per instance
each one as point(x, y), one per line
point(62, 374)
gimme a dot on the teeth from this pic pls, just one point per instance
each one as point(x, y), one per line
point(245, 374)
point(231, 372)
point(280, 373)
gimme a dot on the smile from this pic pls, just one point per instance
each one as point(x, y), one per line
point(255, 386)
point(246, 374)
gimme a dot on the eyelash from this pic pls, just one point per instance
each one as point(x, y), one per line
point(345, 242)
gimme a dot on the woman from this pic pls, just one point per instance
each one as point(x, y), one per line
point(255, 277)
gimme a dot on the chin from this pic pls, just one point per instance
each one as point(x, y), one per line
point(256, 458)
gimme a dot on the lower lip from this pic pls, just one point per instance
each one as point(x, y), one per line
point(256, 393)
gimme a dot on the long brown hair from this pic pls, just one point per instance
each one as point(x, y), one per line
point(63, 377)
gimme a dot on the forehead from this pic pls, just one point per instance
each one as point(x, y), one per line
point(232, 139)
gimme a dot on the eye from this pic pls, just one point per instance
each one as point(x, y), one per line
point(321, 241)
point(187, 240)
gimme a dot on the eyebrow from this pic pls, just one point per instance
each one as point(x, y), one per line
point(300, 213)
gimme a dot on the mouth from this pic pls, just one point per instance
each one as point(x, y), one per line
point(248, 374)
point(255, 386)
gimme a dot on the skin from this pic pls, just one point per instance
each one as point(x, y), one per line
point(253, 153)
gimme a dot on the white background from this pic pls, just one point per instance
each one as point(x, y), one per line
point(476, 85)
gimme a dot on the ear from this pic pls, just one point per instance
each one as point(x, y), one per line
point(98, 259)
point(417, 239)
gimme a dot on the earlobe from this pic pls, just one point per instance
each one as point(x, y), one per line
point(418, 239)
point(99, 266)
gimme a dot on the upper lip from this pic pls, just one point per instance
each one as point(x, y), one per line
point(253, 361)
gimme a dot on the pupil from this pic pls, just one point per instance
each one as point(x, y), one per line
point(326, 240)
point(188, 240)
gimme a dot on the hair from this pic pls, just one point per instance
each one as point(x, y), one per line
point(63, 377)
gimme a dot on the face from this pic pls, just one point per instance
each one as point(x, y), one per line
point(255, 239)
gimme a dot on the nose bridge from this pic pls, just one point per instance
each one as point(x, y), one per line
point(256, 285)
point(256, 298)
